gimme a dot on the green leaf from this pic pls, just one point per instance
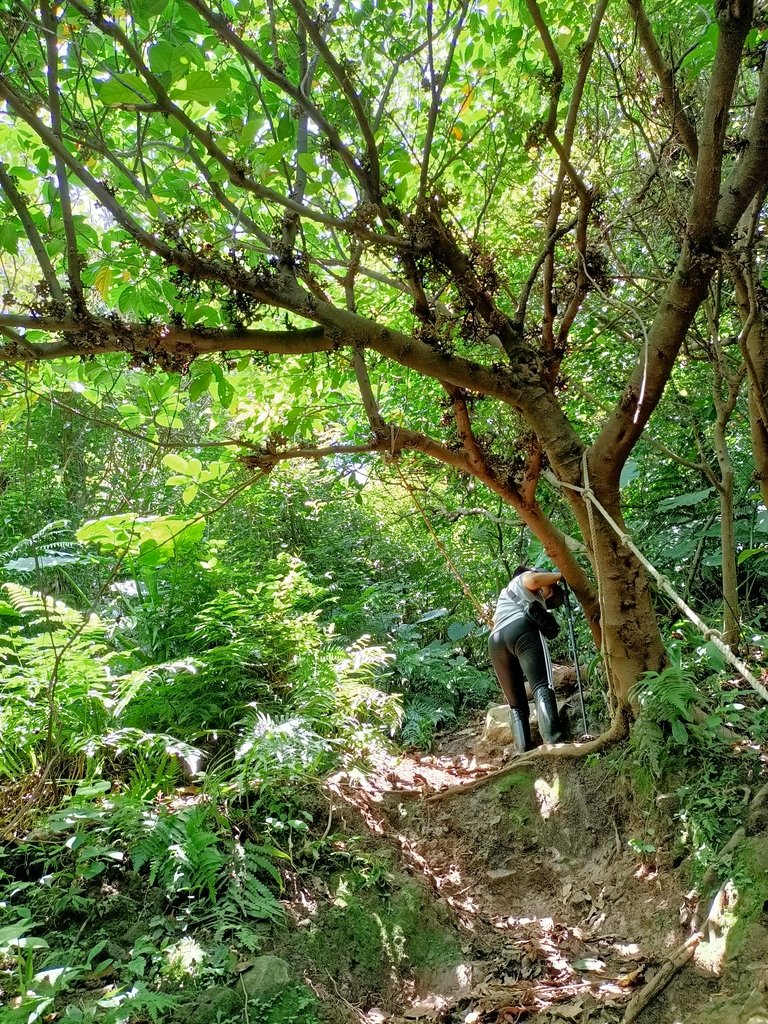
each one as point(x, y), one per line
point(306, 162)
point(458, 630)
point(684, 500)
point(200, 86)
point(751, 553)
point(149, 540)
point(436, 613)
point(679, 732)
point(199, 384)
point(97, 788)
point(630, 472)
point(176, 462)
point(142, 10)
point(128, 89)
point(9, 239)
point(162, 56)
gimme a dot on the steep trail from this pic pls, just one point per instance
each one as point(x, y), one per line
point(563, 916)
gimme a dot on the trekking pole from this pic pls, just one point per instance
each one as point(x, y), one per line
point(574, 652)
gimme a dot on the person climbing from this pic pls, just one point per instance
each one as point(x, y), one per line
point(518, 649)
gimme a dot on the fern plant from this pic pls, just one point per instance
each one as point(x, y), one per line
point(54, 677)
point(247, 897)
point(667, 700)
point(182, 852)
point(61, 694)
point(193, 851)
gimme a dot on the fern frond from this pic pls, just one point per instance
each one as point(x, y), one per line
point(182, 853)
point(668, 695)
point(130, 684)
point(649, 744)
point(246, 891)
point(46, 610)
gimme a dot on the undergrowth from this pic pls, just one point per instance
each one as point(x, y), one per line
point(694, 758)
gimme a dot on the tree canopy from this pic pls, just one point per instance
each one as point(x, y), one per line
point(492, 234)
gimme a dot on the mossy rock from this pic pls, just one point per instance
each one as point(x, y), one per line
point(267, 974)
point(215, 1004)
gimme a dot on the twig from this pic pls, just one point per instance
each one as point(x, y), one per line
point(245, 1000)
point(662, 978)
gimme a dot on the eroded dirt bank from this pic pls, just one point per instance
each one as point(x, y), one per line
point(533, 897)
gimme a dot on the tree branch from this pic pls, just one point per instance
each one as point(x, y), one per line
point(688, 285)
point(681, 124)
point(734, 22)
point(437, 91)
point(750, 175)
point(54, 101)
point(33, 235)
point(105, 334)
point(373, 175)
point(234, 170)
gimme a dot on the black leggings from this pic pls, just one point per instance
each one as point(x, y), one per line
point(518, 652)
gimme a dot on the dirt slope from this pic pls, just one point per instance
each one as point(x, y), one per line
point(558, 912)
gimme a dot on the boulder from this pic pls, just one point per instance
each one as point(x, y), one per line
point(496, 731)
point(215, 1004)
point(267, 974)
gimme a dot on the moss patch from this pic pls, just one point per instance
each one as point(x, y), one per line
point(748, 938)
point(293, 1005)
point(368, 941)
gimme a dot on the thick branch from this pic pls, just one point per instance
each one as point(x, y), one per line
point(102, 334)
point(734, 22)
point(681, 123)
point(687, 288)
point(750, 175)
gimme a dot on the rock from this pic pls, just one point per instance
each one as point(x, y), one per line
point(496, 731)
point(215, 1004)
point(267, 974)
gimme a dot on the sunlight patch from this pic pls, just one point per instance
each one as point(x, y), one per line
point(710, 952)
point(548, 796)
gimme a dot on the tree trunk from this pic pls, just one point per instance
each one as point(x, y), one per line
point(755, 351)
point(631, 640)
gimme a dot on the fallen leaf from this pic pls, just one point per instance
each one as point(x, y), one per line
point(595, 966)
point(568, 1011)
point(629, 979)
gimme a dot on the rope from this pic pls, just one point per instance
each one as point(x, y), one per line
point(482, 612)
point(600, 590)
point(708, 633)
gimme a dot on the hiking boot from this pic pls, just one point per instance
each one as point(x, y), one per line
point(547, 715)
point(521, 730)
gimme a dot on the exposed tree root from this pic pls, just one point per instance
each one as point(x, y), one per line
point(567, 751)
point(662, 978)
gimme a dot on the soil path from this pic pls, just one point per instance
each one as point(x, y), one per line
point(562, 917)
